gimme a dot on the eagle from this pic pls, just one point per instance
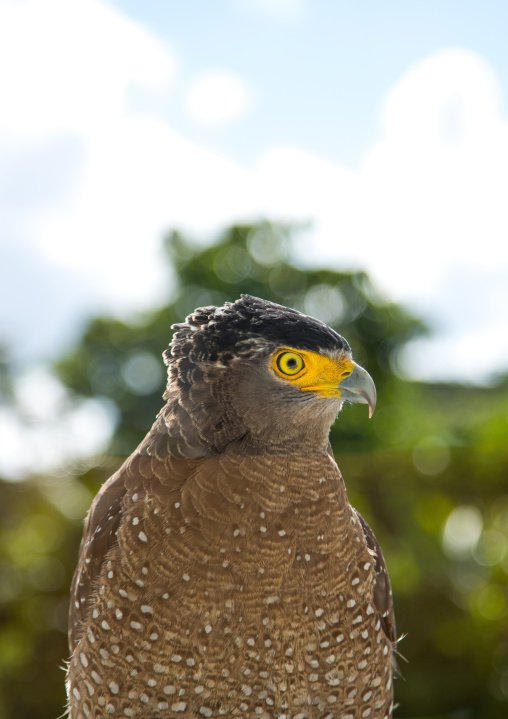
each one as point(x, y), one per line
point(222, 570)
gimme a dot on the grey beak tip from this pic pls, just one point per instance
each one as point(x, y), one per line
point(359, 388)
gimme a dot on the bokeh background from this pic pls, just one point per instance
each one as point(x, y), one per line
point(348, 159)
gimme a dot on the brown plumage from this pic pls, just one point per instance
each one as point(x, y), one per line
point(223, 571)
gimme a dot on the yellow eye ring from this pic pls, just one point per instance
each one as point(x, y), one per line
point(289, 363)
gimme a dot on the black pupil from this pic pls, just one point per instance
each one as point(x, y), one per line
point(292, 363)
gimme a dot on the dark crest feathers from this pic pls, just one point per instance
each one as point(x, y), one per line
point(213, 333)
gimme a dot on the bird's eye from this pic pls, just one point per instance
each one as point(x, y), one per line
point(289, 363)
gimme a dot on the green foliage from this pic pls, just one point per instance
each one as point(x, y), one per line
point(445, 540)
point(40, 531)
point(429, 472)
point(37, 549)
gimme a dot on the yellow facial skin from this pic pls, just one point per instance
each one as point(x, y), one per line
point(311, 372)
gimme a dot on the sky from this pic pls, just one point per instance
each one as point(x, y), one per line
point(383, 124)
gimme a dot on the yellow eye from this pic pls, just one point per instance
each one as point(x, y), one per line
point(289, 363)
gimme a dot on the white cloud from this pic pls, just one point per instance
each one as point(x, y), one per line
point(66, 66)
point(140, 181)
point(426, 196)
point(65, 71)
point(436, 181)
point(217, 97)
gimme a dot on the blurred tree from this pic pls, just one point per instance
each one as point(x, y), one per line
point(122, 361)
point(429, 472)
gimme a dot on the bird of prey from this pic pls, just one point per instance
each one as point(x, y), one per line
point(223, 571)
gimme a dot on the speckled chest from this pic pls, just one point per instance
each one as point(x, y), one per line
point(243, 589)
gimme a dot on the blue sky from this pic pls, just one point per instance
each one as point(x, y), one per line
point(383, 123)
point(320, 68)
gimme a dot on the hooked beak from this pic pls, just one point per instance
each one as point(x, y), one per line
point(359, 388)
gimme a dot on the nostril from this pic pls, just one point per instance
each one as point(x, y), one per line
point(347, 373)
